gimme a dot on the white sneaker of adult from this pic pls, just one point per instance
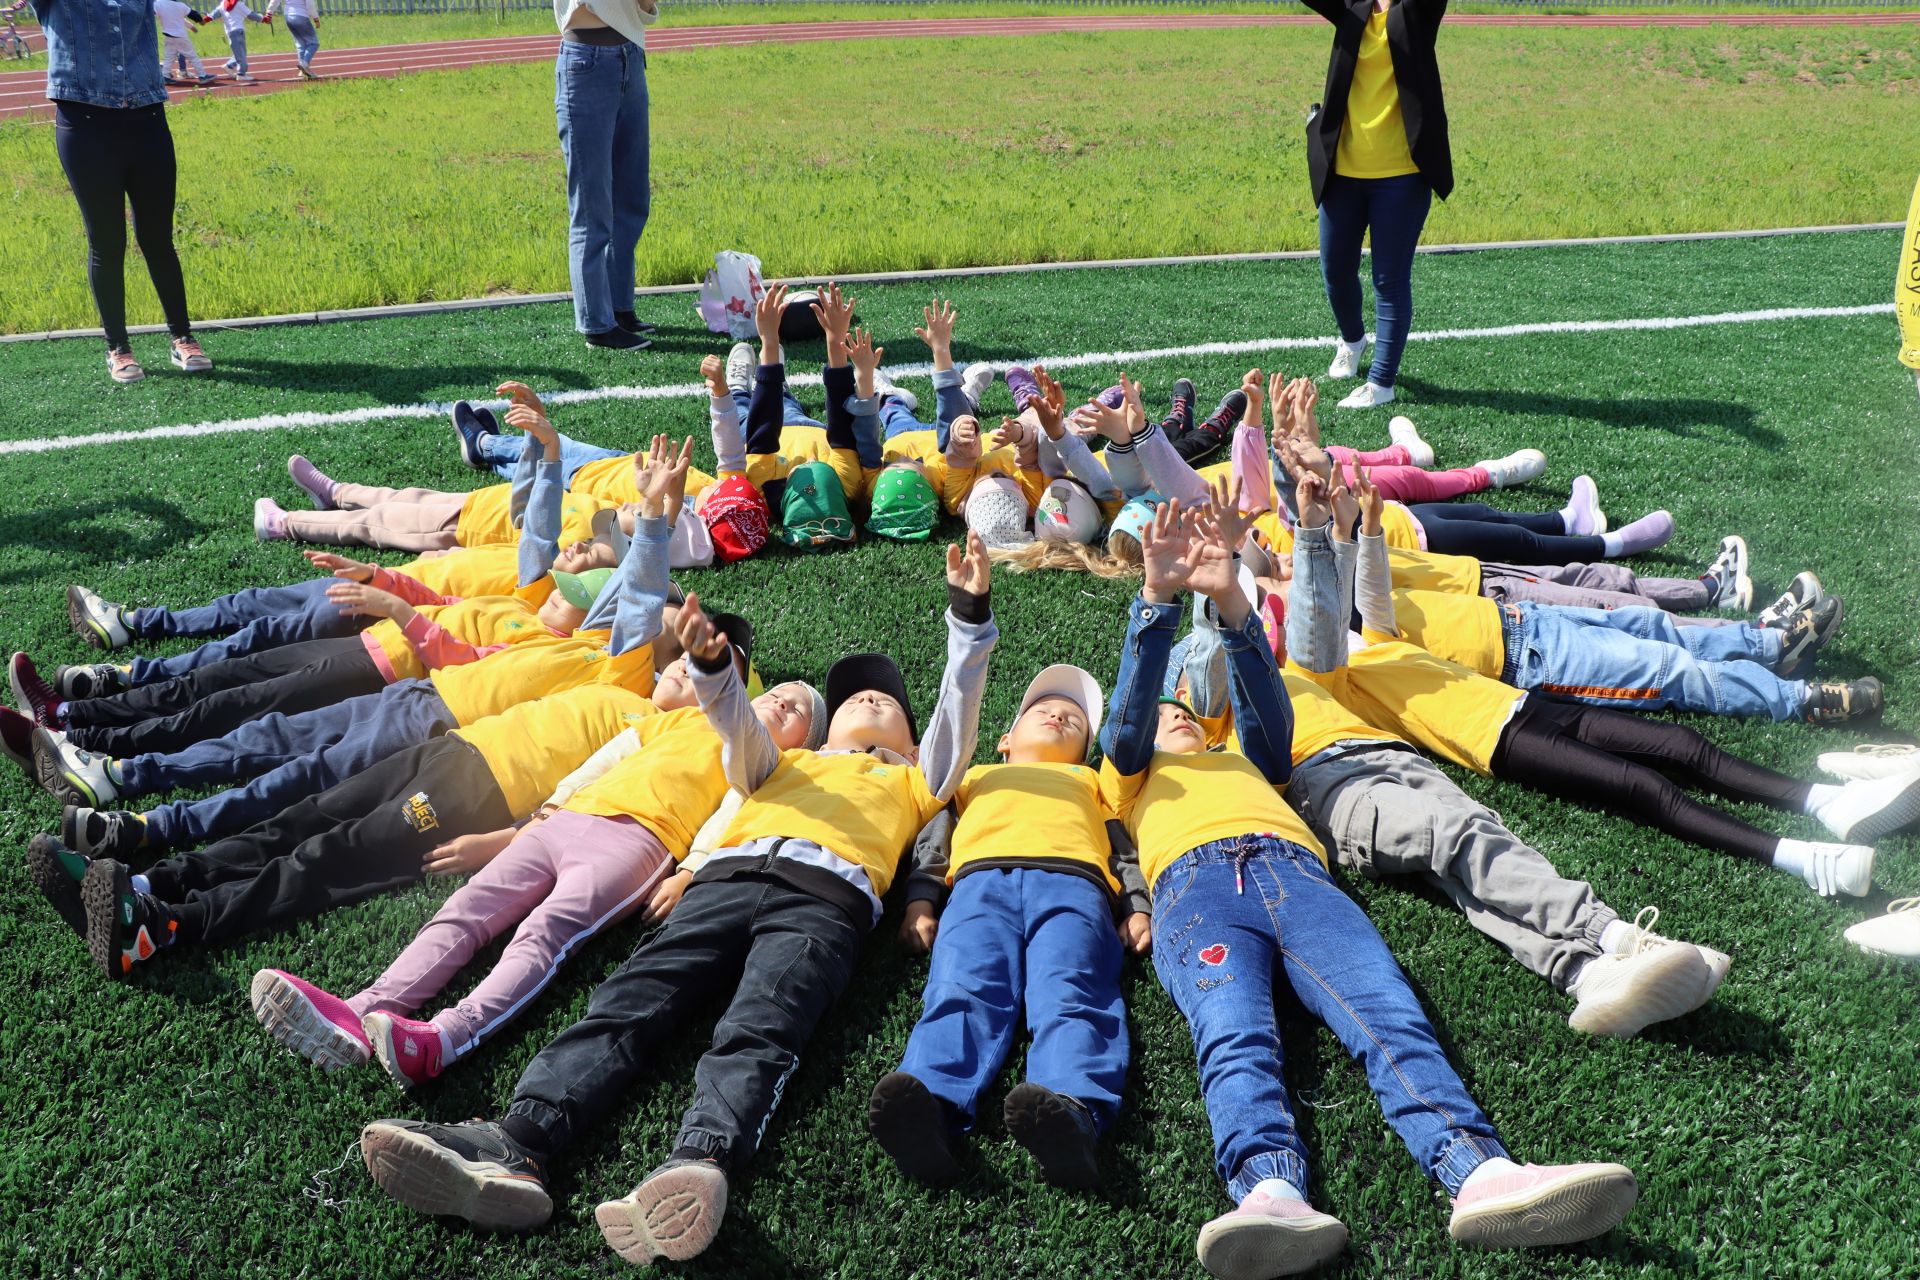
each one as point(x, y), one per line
point(1368, 395)
point(1346, 359)
point(1403, 433)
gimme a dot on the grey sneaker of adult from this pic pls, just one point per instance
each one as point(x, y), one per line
point(100, 623)
point(1805, 590)
point(88, 680)
point(1805, 633)
point(1649, 980)
point(472, 1171)
point(72, 775)
point(674, 1213)
point(1837, 702)
point(905, 397)
point(742, 367)
point(974, 381)
point(1730, 571)
point(1864, 811)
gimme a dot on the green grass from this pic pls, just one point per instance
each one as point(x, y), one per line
point(942, 153)
point(154, 1130)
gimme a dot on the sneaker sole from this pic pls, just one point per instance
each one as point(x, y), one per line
point(55, 885)
point(100, 894)
point(901, 1125)
point(1895, 815)
point(1255, 1248)
point(1043, 1125)
point(673, 1215)
point(1564, 1213)
point(1678, 983)
point(83, 624)
point(295, 1023)
point(428, 1178)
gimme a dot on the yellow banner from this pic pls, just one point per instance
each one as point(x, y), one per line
point(1906, 290)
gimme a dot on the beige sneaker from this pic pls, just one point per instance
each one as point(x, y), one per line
point(1542, 1205)
point(1651, 980)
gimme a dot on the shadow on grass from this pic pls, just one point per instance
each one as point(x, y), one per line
point(1680, 417)
point(116, 530)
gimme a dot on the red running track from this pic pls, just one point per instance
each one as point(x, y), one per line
point(23, 93)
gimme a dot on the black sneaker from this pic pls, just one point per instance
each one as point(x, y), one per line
point(469, 424)
point(102, 833)
point(632, 323)
point(1179, 419)
point(124, 927)
point(1060, 1133)
point(910, 1124)
point(88, 680)
point(1803, 591)
point(472, 1171)
point(1837, 703)
point(1805, 633)
point(56, 871)
point(1207, 437)
point(618, 339)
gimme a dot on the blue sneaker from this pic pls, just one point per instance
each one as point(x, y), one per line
point(472, 425)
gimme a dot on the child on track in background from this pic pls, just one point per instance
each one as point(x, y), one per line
point(1234, 873)
point(778, 913)
point(1026, 932)
point(575, 869)
point(178, 22)
point(236, 14)
point(303, 26)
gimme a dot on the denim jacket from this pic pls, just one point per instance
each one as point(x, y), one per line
point(104, 53)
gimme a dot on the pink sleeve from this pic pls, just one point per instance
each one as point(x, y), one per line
point(439, 647)
point(412, 590)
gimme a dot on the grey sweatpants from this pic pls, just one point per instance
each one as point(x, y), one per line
point(1387, 811)
point(1591, 586)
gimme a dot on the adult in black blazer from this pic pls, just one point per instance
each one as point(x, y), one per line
point(1377, 154)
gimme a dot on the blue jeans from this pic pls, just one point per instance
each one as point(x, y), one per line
point(1637, 659)
point(792, 413)
point(1024, 937)
point(306, 41)
point(237, 41)
point(252, 619)
point(600, 100)
point(1393, 210)
point(1218, 949)
point(288, 759)
point(502, 454)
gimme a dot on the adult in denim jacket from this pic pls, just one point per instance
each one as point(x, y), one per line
point(110, 129)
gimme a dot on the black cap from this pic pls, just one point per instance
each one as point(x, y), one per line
point(739, 634)
point(858, 672)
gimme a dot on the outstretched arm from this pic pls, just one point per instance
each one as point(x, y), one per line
point(539, 483)
point(953, 731)
point(747, 753)
point(1133, 714)
point(631, 605)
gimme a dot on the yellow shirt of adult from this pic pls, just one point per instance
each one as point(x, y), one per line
point(1373, 138)
point(1906, 291)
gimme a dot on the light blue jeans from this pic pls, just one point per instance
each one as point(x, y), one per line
point(502, 454)
point(600, 100)
point(306, 41)
point(237, 41)
point(1639, 660)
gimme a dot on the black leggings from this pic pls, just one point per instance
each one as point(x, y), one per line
point(1623, 762)
point(1470, 529)
point(115, 158)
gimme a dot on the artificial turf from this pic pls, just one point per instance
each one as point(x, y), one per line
point(153, 1129)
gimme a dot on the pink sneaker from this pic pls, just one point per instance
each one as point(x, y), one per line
point(1269, 1236)
point(313, 1023)
point(269, 521)
point(1544, 1204)
point(122, 367)
point(186, 353)
point(316, 483)
point(409, 1050)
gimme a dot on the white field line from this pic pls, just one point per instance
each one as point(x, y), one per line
point(1116, 359)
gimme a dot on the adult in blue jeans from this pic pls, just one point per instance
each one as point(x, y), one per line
point(1242, 904)
point(1377, 154)
point(600, 100)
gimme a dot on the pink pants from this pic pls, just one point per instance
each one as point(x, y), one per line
point(1393, 473)
point(369, 516)
point(562, 880)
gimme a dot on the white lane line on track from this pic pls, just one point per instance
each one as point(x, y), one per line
point(687, 390)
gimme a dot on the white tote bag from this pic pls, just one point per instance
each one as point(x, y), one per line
point(728, 293)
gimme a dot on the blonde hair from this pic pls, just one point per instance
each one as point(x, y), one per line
point(1077, 556)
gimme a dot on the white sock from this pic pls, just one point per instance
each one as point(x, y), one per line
point(1793, 857)
point(1492, 1168)
point(1613, 938)
point(1614, 544)
point(1279, 1188)
point(1819, 795)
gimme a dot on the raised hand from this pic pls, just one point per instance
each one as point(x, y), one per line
point(1254, 388)
point(963, 441)
point(1166, 547)
point(520, 393)
point(835, 314)
point(672, 491)
point(1210, 560)
point(1131, 405)
point(1306, 423)
point(714, 371)
point(1094, 418)
point(937, 333)
point(341, 567)
point(1346, 507)
point(767, 312)
point(649, 476)
point(534, 422)
point(866, 361)
point(1372, 502)
point(697, 635)
point(970, 570)
point(1234, 523)
point(1312, 498)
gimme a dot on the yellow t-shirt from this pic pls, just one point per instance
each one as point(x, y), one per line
point(1431, 571)
point(610, 480)
point(486, 518)
point(530, 747)
point(478, 620)
point(537, 667)
point(1462, 629)
point(478, 571)
point(671, 785)
point(1373, 138)
point(808, 444)
point(1396, 527)
point(1029, 811)
point(1319, 719)
point(1906, 289)
point(1437, 705)
point(854, 805)
point(1180, 802)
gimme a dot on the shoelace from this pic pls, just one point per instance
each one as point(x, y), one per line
point(1886, 751)
point(1902, 904)
point(1644, 938)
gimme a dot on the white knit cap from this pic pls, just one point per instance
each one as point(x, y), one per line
point(997, 511)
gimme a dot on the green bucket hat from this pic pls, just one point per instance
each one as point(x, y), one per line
point(813, 510)
point(904, 506)
point(581, 589)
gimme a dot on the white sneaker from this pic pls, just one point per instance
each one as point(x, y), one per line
point(1896, 933)
point(1833, 869)
point(906, 398)
point(99, 623)
point(1651, 980)
point(1368, 395)
point(742, 366)
point(1403, 433)
point(1730, 569)
point(1803, 592)
point(1871, 760)
point(975, 380)
point(1346, 359)
point(1516, 468)
point(1866, 810)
